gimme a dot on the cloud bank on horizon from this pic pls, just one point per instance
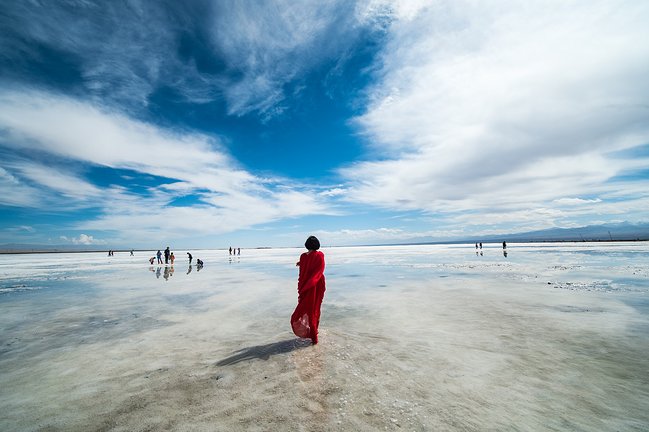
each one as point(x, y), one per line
point(214, 123)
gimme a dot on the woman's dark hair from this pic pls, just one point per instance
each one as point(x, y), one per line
point(312, 243)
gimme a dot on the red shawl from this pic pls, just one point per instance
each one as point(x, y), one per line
point(310, 290)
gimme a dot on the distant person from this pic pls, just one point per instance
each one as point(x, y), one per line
point(310, 288)
point(199, 262)
point(230, 250)
point(109, 253)
point(151, 260)
point(476, 246)
point(504, 245)
point(167, 253)
point(480, 245)
point(238, 251)
point(190, 258)
point(131, 252)
point(172, 258)
point(159, 255)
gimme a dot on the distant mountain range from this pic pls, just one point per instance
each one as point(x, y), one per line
point(607, 232)
point(624, 231)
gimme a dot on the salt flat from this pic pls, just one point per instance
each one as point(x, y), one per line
point(439, 337)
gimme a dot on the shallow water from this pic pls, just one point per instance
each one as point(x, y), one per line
point(550, 337)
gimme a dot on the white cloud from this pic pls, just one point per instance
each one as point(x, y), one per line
point(333, 192)
point(232, 197)
point(83, 239)
point(385, 235)
point(505, 107)
point(66, 184)
point(69, 128)
point(17, 193)
point(7, 177)
point(361, 236)
point(385, 12)
point(576, 201)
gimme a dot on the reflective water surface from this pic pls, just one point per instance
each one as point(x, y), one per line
point(438, 337)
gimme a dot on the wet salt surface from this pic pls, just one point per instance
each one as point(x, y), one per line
point(551, 337)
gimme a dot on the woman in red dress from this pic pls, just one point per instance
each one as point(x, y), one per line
point(310, 291)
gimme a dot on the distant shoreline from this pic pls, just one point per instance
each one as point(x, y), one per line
point(105, 251)
point(47, 251)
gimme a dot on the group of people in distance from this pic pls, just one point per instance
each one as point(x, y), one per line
point(235, 251)
point(480, 246)
point(170, 258)
point(112, 252)
point(199, 262)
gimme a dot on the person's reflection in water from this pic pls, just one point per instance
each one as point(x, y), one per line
point(166, 273)
point(157, 272)
point(505, 253)
point(189, 270)
point(481, 253)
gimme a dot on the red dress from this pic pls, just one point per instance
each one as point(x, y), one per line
point(310, 290)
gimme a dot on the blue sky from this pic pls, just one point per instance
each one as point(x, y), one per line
point(205, 124)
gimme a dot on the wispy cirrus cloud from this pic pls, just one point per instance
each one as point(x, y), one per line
point(116, 48)
point(243, 53)
point(273, 43)
point(506, 107)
